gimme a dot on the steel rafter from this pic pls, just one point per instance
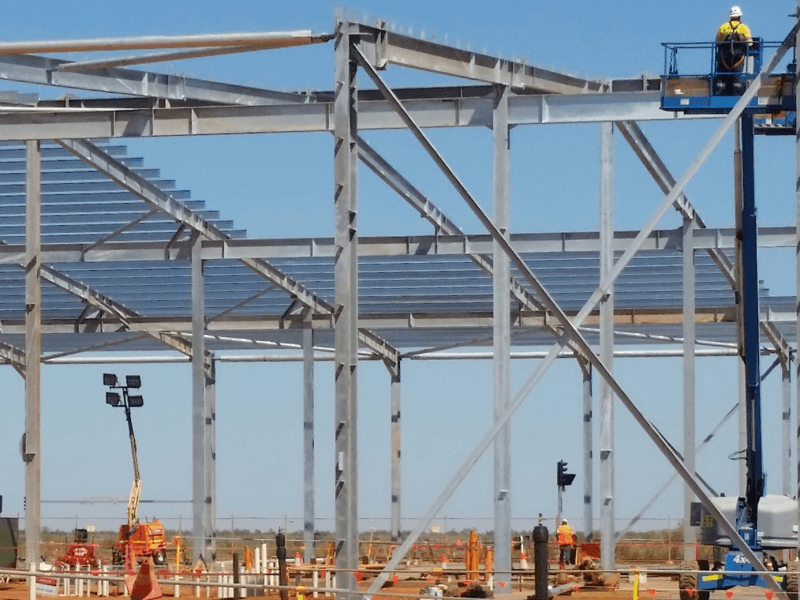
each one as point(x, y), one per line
point(382, 47)
point(664, 179)
point(162, 201)
point(48, 71)
point(281, 39)
point(438, 219)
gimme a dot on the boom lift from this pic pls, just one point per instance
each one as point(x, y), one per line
point(765, 523)
point(135, 539)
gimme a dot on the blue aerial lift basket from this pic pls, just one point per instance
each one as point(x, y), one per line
point(690, 74)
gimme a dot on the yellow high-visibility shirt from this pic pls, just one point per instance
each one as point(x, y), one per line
point(740, 31)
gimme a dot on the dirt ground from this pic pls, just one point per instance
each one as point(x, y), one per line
point(654, 587)
point(402, 590)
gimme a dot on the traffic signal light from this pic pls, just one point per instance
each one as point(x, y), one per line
point(563, 478)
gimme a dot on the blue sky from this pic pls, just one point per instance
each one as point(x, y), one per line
point(281, 186)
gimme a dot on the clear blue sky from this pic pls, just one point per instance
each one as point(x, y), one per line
point(281, 186)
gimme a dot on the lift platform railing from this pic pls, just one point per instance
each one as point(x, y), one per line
point(691, 71)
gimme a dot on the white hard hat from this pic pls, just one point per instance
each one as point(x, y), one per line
point(563, 520)
point(736, 12)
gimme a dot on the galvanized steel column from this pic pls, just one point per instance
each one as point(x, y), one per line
point(33, 351)
point(200, 545)
point(211, 456)
point(346, 293)
point(588, 441)
point(786, 394)
point(396, 524)
point(689, 532)
point(607, 541)
point(797, 279)
point(308, 442)
point(502, 349)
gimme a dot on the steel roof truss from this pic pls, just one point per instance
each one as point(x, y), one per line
point(96, 347)
point(125, 177)
point(664, 179)
point(241, 303)
point(122, 229)
point(125, 315)
point(437, 218)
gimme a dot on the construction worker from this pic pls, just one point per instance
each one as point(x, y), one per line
point(566, 543)
point(732, 41)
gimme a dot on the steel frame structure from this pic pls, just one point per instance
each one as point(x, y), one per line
point(506, 94)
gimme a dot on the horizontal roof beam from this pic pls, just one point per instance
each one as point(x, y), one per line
point(401, 321)
point(24, 123)
point(768, 237)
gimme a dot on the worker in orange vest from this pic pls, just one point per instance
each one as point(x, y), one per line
point(566, 543)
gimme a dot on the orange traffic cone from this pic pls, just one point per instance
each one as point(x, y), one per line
point(143, 586)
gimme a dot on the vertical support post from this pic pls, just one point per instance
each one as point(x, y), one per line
point(502, 348)
point(689, 532)
point(199, 408)
point(308, 442)
point(33, 351)
point(786, 415)
point(607, 537)
point(211, 456)
point(396, 525)
point(797, 291)
point(346, 293)
point(588, 471)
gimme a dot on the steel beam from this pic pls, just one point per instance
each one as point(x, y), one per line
point(31, 447)
point(384, 47)
point(309, 456)
point(423, 245)
point(786, 430)
point(797, 283)
point(588, 451)
point(396, 460)
point(280, 39)
point(689, 532)
point(200, 536)
point(210, 506)
point(346, 292)
point(606, 408)
point(21, 123)
point(502, 346)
